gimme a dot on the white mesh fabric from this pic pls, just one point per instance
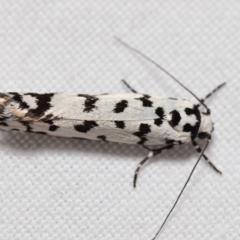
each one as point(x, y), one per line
point(52, 188)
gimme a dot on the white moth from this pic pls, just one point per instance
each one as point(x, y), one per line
point(126, 118)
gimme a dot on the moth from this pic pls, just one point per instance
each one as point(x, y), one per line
point(157, 123)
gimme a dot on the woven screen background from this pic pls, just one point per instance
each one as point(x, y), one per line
point(53, 188)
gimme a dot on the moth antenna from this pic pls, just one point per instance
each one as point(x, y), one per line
point(180, 194)
point(164, 70)
point(212, 92)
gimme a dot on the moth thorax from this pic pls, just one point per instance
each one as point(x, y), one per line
point(206, 126)
point(183, 119)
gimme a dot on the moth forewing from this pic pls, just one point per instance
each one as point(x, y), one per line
point(127, 118)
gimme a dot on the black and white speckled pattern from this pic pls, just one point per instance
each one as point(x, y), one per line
point(127, 118)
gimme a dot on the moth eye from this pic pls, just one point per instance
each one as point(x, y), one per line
point(203, 135)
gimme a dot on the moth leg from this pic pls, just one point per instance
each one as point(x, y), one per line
point(128, 86)
point(151, 153)
point(198, 149)
point(212, 92)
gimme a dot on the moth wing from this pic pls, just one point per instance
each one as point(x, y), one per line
point(128, 118)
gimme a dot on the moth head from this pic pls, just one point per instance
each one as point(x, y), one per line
point(206, 127)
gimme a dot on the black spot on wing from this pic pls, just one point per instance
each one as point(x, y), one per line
point(120, 106)
point(53, 128)
point(173, 98)
point(188, 127)
point(86, 126)
point(102, 137)
point(89, 102)
point(120, 124)
point(158, 121)
point(169, 141)
point(144, 129)
point(3, 118)
point(176, 118)
point(15, 129)
point(160, 112)
point(3, 124)
point(43, 104)
point(18, 98)
point(145, 101)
